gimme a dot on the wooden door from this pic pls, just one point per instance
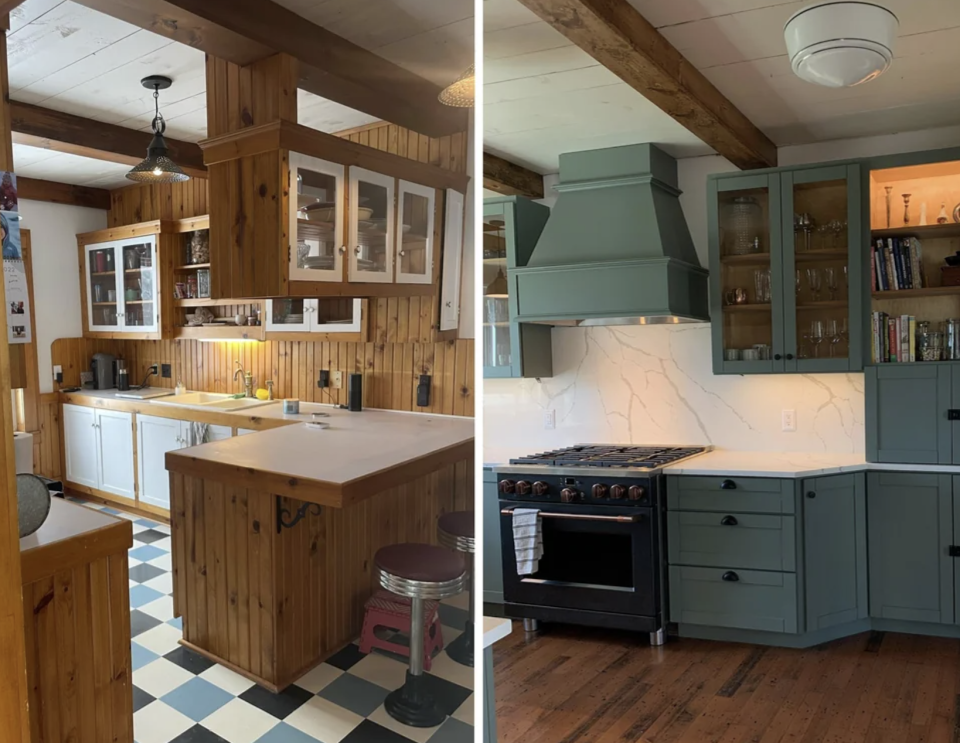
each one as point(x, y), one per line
point(115, 453)
point(155, 437)
point(80, 445)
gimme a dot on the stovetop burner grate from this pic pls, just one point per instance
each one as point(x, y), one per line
point(611, 455)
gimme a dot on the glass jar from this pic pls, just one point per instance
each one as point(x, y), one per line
point(742, 226)
point(951, 339)
point(931, 344)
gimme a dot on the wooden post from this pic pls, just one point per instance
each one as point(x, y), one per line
point(13, 665)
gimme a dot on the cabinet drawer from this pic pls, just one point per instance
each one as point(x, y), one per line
point(744, 494)
point(758, 600)
point(735, 540)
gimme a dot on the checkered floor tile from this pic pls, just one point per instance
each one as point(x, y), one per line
point(180, 697)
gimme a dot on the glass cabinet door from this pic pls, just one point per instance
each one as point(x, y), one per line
point(497, 328)
point(746, 302)
point(821, 234)
point(103, 303)
point(372, 225)
point(139, 283)
point(316, 219)
point(288, 315)
point(415, 205)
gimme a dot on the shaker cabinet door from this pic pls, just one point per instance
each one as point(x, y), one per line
point(372, 224)
point(80, 445)
point(155, 437)
point(416, 205)
point(115, 452)
point(316, 219)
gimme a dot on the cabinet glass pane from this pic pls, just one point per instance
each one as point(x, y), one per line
point(373, 212)
point(139, 284)
point(319, 210)
point(102, 287)
point(415, 224)
point(744, 217)
point(287, 311)
point(820, 275)
point(496, 309)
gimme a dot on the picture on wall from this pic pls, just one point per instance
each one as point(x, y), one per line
point(14, 272)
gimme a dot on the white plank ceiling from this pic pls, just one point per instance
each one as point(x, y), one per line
point(543, 96)
point(69, 58)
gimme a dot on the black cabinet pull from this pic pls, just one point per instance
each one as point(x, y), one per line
point(811, 494)
point(728, 521)
point(730, 577)
point(953, 415)
point(777, 357)
point(728, 485)
point(789, 357)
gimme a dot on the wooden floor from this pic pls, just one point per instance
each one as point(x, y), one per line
point(573, 684)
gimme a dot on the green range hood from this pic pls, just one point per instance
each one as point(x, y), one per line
point(616, 249)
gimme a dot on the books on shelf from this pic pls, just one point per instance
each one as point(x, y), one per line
point(896, 263)
point(893, 339)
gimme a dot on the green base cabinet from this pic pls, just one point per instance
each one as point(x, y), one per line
point(492, 558)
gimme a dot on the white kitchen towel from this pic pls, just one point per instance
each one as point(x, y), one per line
point(527, 540)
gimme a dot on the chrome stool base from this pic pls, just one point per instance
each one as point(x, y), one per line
point(413, 705)
point(461, 649)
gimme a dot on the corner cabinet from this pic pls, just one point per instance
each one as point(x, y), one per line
point(786, 281)
point(511, 228)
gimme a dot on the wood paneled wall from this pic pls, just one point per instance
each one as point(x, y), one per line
point(404, 340)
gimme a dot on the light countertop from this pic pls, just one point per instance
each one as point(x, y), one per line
point(495, 629)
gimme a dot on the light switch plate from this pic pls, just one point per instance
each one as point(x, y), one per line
point(337, 380)
point(57, 370)
point(549, 419)
point(788, 420)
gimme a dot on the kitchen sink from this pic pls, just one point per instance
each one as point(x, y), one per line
point(193, 398)
point(240, 404)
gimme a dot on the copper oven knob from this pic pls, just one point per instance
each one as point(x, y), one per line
point(617, 492)
point(600, 490)
point(507, 486)
point(523, 487)
point(637, 492)
point(568, 495)
point(540, 488)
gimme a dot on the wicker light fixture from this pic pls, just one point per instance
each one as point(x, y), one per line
point(497, 287)
point(460, 92)
point(157, 167)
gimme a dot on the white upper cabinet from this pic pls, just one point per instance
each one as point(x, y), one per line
point(121, 286)
point(452, 261)
point(332, 315)
point(316, 219)
point(372, 224)
point(414, 237)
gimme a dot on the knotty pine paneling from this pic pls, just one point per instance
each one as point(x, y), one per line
point(404, 341)
point(46, 441)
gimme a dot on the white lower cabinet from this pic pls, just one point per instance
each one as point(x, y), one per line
point(80, 445)
point(219, 433)
point(98, 448)
point(244, 431)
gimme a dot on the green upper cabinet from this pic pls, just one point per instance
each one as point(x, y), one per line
point(511, 228)
point(785, 270)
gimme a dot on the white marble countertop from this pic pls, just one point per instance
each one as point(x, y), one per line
point(494, 629)
point(728, 463)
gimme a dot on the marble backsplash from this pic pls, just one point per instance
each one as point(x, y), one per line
point(655, 385)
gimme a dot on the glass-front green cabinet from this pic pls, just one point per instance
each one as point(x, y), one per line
point(786, 270)
point(511, 228)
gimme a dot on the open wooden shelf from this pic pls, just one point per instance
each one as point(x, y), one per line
point(196, 302)
point(929, 291)
point(221, 332)
point(191, 267)
point(746, 308)
point(926, 232)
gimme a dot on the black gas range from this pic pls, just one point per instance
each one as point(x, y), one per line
point(601, 518)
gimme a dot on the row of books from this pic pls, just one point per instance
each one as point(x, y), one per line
point(897, 263)
point(893, 338)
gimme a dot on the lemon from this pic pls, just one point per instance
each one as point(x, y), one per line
point(262, 394)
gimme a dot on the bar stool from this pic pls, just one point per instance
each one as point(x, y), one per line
point(455, 531)
point(420, 572)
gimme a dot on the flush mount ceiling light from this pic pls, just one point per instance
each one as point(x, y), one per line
point(841, 44)
point(157, 167)
point(460, 92)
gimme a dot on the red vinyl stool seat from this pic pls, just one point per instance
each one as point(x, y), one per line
point(385, 609)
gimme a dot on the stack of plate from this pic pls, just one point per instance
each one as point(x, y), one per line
point(294, 319)
point(318, 261)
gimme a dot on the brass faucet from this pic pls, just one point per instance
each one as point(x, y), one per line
point(247, 378)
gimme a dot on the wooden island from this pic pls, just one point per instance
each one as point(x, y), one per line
point(274, 533)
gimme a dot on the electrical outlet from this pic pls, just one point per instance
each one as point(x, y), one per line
point(337, 380)
point(57, 373)
point(165, 371)
point(154, 369)
point(324, 379)
point(549, 419)
point(788, 420)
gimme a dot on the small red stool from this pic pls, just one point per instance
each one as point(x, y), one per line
point(385, 609)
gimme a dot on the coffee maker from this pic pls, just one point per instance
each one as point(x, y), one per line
point(103, 367)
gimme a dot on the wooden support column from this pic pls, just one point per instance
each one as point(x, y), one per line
point(13, 664)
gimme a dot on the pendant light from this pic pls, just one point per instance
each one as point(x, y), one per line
point(460, 93)
point(497, 287)
point(157, 167)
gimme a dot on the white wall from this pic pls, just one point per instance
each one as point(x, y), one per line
point(56, 285)
point(655, 384)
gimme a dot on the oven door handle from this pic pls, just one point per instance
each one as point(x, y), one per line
point(582, 517)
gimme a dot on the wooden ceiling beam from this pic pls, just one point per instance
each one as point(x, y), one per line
point(623, 41)
point(245, 31)
point(63, 132)
point(510, 179)
point(62, 193)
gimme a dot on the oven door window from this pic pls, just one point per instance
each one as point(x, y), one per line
point(576, 554)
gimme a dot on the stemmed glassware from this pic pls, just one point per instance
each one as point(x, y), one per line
point(798, 282)
point(832, 332)
point(814, 282)
point(830, 276)
point(817, 334)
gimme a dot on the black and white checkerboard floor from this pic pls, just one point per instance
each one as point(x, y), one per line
point(180, 697)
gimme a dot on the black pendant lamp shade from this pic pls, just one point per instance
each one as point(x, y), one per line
point(157, 167)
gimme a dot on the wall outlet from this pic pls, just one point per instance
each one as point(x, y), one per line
point(57, 373)
point(165, 371)
point(337, 380)
point(324, 379)
point(788, 420)
point(549, 420)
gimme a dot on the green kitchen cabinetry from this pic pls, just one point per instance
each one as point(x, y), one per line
point(492, 558)
point(786, 282)
point(511, 228)
point(910, 528)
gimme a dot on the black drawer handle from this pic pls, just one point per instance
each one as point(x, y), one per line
point(811, 494)
point(728, 521)
point(730, 577)
point(728, 485)
point(953, 414)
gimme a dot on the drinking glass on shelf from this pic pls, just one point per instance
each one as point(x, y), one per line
point(830, 279)
point(832, 333)
point(761, 283)
point(817, 334)
point(798, 282)
point(814, 281)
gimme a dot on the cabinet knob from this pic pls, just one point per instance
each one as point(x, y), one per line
point(730, 577)
point(729, 521)
point(789, 357)
point(811, 494)
point(356, 250)
point(728, 485)
point(777, 357)
point(343, 249)
point(402, 253)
